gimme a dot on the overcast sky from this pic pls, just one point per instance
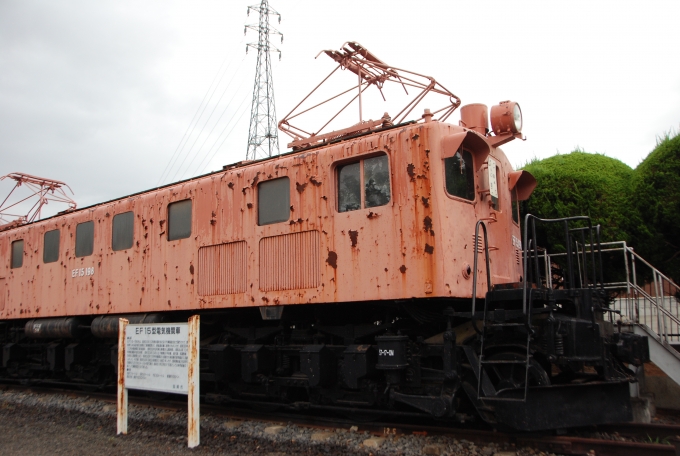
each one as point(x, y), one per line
point(100, 94)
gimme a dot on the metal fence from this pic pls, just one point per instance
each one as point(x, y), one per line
point(645, 296)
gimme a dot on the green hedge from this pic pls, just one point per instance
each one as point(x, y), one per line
point(580, 183)
point(656, 197)
point(641, 206)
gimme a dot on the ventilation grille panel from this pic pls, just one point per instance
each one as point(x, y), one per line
point(290, 261)
point(222, 269)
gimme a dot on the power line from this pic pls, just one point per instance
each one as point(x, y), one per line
point(168, 165)
point(229, 104)
point(179, 168)
point(227, 136)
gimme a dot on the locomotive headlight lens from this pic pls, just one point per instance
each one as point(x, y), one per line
point(517, 115)
point(506, 117)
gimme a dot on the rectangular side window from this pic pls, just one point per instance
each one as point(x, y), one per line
point(371, 173)
point(459, 175)
point(179, 220)
point(273, 201)
point(17, 254)
point(515, 206)
point(122, 234)
point(84, 239)
point(349, 187)
point(376, 181)
point(51, 246)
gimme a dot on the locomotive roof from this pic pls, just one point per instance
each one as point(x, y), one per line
point(236, 165)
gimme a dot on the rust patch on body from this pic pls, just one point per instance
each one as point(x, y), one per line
point(255, 180)
point(372, 215)
point(427, 223)
point(426, 201)
point(429, 249)
point(314, 181)
point(411, 170)
point(353, 236)
point(230, 185)
point(402, 269)
point(191, 269)
point(332, 259)
point(250, 205)
point(300, 187)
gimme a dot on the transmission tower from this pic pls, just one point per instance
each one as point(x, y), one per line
point(263, 139)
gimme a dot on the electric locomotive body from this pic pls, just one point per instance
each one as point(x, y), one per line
point(380, 268)
point(413, 240)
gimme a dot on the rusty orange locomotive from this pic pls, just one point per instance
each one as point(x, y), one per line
point(379, 268)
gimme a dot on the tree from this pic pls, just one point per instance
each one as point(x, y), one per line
point(588, 184)
point(655, 194)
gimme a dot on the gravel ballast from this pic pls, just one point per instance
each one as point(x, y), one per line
point(60, 424)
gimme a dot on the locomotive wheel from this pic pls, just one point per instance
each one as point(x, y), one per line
point(513, 376)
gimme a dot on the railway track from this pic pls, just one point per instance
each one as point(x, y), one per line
point(616, 440)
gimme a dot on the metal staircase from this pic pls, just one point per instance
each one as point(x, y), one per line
point(648, 303)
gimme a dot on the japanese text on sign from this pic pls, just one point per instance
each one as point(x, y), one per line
point(156, 357)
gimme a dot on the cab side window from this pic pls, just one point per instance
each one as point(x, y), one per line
point(17, 254)
point(365, 183)
point(460, 175)
point(515, 206)
point(51, 246)
point(84, 239)
point(273, 201)
point(122, 232)
point(179, 220)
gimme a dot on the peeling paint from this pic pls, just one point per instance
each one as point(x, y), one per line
point(332, 259)
point(427, 223)
point(411, 170)
point(353, 236)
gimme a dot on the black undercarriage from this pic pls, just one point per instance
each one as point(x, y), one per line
point(413, 357)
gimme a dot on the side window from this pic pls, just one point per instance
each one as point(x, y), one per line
point(122, 233)
point(179, 220)
point(17, 254)
point(273, 201)
point(373, 174)
point(84, 239)
point(460, 175)
point(51, 246)
point(515, 206)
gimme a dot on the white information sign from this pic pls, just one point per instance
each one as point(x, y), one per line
point(156, 357)
point(493, 185)
point(160, 357)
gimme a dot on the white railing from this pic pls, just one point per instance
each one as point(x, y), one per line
point(646, 296)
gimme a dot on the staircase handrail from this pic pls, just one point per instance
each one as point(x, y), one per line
point(647, 297)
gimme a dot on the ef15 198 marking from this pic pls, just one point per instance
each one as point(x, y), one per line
point(82, 272)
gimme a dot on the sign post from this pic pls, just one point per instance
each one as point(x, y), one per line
point(161, 357)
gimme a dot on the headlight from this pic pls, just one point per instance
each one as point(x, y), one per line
point(506, 117)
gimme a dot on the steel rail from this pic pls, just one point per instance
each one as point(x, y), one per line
point(563, 444)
